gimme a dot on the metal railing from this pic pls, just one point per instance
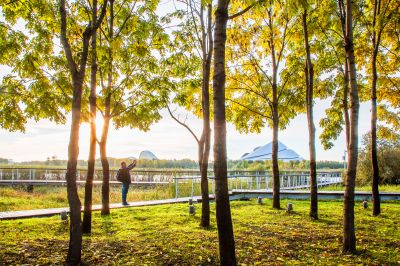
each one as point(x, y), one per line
point(58, 174)
point(186, 182)
point(186, 186)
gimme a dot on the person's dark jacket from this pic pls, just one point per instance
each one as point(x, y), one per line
point(124, 173)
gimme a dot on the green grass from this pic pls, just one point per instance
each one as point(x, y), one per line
point(17, 198)
point(382, 188)
point(168, 235)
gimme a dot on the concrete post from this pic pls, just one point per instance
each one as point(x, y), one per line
point(176, 188)
point(192, 187)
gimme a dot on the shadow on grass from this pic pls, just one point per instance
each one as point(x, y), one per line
point(107, 225)
point(62, 228)
point(324, 221)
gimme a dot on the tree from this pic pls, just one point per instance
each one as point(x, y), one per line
point(309, 74)
point(87, 214)
point(349, 237)
point(77, 69)
point(388, 146)
point(378, 17)
point(223, 211)
point(132, 89)
point(35, 87)
point(332, 29)
point(199, 27)
point(260, 85)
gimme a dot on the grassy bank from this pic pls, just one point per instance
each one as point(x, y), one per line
point(17, 198)
point(167, 235)
point(382, 188)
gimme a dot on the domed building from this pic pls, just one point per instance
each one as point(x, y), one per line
point(263, 153)
point(147, 155)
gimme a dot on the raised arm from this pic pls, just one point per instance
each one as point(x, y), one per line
point(132, 165)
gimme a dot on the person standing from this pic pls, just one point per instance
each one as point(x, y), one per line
point(124, 176)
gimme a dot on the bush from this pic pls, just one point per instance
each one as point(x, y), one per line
point(388, 161)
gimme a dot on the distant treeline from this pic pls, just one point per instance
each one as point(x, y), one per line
point(294, 165)
point(4, 161)
point(180, 164)
point(114, 163)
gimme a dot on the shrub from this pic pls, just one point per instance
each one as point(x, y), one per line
point(388, 161)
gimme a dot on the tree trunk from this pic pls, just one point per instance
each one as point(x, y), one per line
point(342, 13)
point(78, 76)
point(223, 210)
point(349, 237)
point(87, 213)
point(105, 188)
point(275, 163)
point(374, 156)
point(275, 120)
point(75, 237)
point(346, 105)
point(309, 71)
point(205, 201)
point(205, 150)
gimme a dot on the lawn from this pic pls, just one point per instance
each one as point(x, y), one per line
point(168, 235)
point(17, 198)
point(382, 188)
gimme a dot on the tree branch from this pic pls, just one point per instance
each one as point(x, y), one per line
point(249, 109)
point(125, 21)
point(64, 39)
point(245, 10)
point(182, 124)
point(101, 17)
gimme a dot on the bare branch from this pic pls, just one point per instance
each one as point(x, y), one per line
point(182, 123)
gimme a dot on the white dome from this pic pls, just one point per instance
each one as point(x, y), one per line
point(148, 155)
point(265, 153)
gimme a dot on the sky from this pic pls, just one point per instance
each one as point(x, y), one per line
point(166, 139)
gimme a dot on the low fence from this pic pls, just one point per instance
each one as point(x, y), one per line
point(50, 174)
point(255, 180)
point(183, 183)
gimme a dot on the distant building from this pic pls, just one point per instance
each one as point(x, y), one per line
point(147, 155)
point(265, 153)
